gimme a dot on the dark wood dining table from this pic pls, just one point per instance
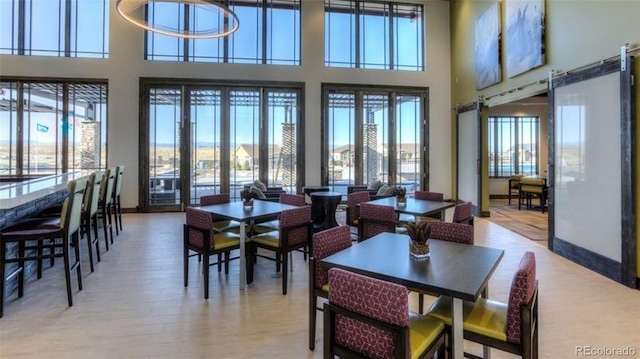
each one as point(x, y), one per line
point(457, 270)
point(236, 211)
point(415, 207)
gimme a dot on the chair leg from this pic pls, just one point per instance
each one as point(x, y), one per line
point(115, 215)
point(312, 320)
point(420, 303)
point(185, 257)
point(227, 256)
point(104, 228)
point(219, 262)
point(94, 221)
point(119, 211)
point(87, 226)
point(109, 214)
point(285, 272)
point(67, 268)
point(78, 258)
point(205, 268)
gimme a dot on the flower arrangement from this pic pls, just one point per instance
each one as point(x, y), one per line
point(401, 194)
point(247, 198)
point(419, 234)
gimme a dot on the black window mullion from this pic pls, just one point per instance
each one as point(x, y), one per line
point(391, 140)
point(21, 27)
point(65, 127)
point(392, 16)
point(225, 133)
point(357, 36)
point(263, 137)
point(67, 28)
point(264, 33)
point(185, 42)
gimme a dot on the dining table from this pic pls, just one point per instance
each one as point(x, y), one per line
point(415, 207)
point(236, 211)
point(457, 270)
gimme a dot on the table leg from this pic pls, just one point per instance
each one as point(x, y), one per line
point(457, 335)
point(243, 259)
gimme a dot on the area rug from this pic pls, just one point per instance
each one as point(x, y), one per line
point(529, 223)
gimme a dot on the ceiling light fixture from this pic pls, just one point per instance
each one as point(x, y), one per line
point(208, 19)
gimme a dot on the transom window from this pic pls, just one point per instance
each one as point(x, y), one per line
point(374, 35)
point(64, 28)
point(269, 33)
point(513, 146)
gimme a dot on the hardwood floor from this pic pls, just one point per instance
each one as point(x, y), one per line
point(135, 306)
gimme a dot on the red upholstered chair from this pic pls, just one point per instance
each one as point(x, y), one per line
point(325, 243)
point(452, 232)
point(220, 224)
point(293, 199)
point(353, 200)
point(294, 233)
point(512, 326)
point(200, 237)
point(427, 196)
point(463, 213)
point(369, 318)
point(43, 231)
point(375, 219)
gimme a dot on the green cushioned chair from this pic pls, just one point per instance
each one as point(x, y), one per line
point(512, 326)
point(530, 187)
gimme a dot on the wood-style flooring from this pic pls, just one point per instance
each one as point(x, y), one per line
point(530, 223)
point(135, 306)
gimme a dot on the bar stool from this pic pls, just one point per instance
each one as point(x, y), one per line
point(105, 204)
point(41, 230)
point(117, 207)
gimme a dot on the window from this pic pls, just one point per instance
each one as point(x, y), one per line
point(374, 134)
point(237, 134)
point(52, 127)
point(513, 146)
point(65, 28)
point(374, 35)
point(269, 34)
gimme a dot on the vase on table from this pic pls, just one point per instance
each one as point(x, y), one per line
point(419, 249)
point(419, 238)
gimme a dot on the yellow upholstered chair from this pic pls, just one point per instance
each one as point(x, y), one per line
point(325, 243)
point(32, 236)
point(369, 318)
point(514, 185)
point(200, 237)
point(512, 326)
point(294, 233)
point(530, 187)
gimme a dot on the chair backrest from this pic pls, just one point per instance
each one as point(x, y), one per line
point(452, 232)
point(375, 219)
point(373, 298)
point(202, 221)
point(531, 185)
point(353, 199)
point(118, 181)
point(429, 196)
point(522, 292)
point(92, 194)
point(71, 215)
point(326, 243)
point(106, 190)
point(292, 199)
point(463, 213)
point(212, 199)
point(295, 226)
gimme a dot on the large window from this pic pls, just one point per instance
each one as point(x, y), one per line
point(513, 146)
point(374, 35)
point(374, 134)
point(52, 127)
point(237, 134)
point(66, 28)
point(269, 33)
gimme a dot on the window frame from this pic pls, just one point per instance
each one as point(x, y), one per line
point(515, 132)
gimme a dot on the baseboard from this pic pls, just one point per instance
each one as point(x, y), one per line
point(586, 258)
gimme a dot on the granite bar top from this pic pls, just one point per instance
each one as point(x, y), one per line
point(16, 194)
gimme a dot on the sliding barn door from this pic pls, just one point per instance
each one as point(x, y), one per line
point(591, 172)
point(469, 161)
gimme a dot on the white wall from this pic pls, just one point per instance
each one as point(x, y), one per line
point(126, 65)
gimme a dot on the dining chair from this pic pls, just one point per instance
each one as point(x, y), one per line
point(220, 224)
point(105, 204)
point(325, 243)
point(294, 233)
point(463, 213)
point(375, 219)
point(200, 237)
point(43, 231)
point(514, 185)
point(511, 326)
point(370, 318)
point(353, 211)
point(452, 232)
point(297, 200)
point(116, 203)
point(427, 196)
point(530, 187)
